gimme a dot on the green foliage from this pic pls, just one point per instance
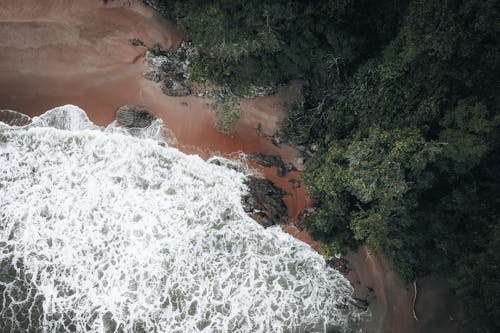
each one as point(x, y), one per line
point(468, 130)
point(226, 115)
point(402, 99)
point(478, 286)
point(375, 181)
point(409, 151)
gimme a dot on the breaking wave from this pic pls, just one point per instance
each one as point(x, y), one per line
point(105, 231)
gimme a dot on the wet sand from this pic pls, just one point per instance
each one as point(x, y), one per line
point(57, 52)
point(391, 301)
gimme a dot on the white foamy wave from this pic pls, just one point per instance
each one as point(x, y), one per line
point(68, 117)
point(106, 232)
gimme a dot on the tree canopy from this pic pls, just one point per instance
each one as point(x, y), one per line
point(402, 98)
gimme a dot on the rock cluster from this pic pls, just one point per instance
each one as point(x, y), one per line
point(264, 202)
point(340, 264)
point(132, 116)
point(171, 68)
point(270, 161)
point(14, 118)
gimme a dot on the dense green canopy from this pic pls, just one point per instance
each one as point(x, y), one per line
point(402, 99)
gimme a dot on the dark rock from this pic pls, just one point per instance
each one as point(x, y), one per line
point(171, 68)
point(340, 264)
point(133, 116)
point(361, 303)
point(14, 118)
point(226, 163)
point(270, 161)
point(136, 42)
point(264, 202)
point(172, 87)
point(266, 160)
point(168, 65)
point(153, 76)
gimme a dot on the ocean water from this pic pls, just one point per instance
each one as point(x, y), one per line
point(108, 230)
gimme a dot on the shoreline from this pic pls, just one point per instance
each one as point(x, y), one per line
point(92, 65)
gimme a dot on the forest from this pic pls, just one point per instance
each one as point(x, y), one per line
point(402, 99)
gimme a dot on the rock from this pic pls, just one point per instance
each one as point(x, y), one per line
point(266, 160)
point(270, 161)
point(340, 264)
point(220, 161)
point(14, 118)
point(171, 87)
point(276, 140)
point(281, 171)
point(136, 42)
point(171, 68)
point(264, 202)
point(133, 116)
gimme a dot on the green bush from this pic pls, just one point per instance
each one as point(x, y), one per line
point(226, 115)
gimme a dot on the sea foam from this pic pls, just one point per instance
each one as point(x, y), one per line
point(103, 231)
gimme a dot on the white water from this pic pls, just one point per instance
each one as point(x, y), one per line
point(101, 231)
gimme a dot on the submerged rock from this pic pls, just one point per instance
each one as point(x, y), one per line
point(14, 118)
point(264, 202)
point(133, 116)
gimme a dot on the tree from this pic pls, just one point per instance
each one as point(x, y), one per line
point(401, 98)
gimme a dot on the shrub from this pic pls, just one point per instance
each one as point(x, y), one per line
point(226, 115)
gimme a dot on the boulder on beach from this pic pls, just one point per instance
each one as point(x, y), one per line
point(171, 68)
point(264, 202)
point(133, 116)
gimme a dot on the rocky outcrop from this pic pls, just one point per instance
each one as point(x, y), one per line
point(14, 118)
point(340, 264)
point(264, 202)
point(172, 87)
point(132, 116)
point(271, 161)
point(171, 68)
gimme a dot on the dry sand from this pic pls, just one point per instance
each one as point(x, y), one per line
point(56, 52)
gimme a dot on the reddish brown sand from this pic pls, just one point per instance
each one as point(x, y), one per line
point(56, 52)
point(392, 301)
